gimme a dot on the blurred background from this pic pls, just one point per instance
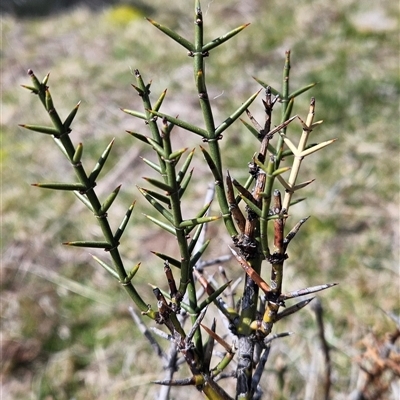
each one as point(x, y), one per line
point(66, 330)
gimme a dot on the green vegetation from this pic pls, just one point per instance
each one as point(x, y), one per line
point(67, 317)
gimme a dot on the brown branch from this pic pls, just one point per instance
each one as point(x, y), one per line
point(317, 308)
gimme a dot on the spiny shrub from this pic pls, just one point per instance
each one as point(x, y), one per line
point(254, 213)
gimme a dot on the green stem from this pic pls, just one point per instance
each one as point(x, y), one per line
point(186, 278)
point(150, 119)
point(212, 137)
point(69, 149)
point(266, 202)
point(285, 104)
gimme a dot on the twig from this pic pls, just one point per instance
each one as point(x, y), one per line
point(317, 308)
point(147, 334)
